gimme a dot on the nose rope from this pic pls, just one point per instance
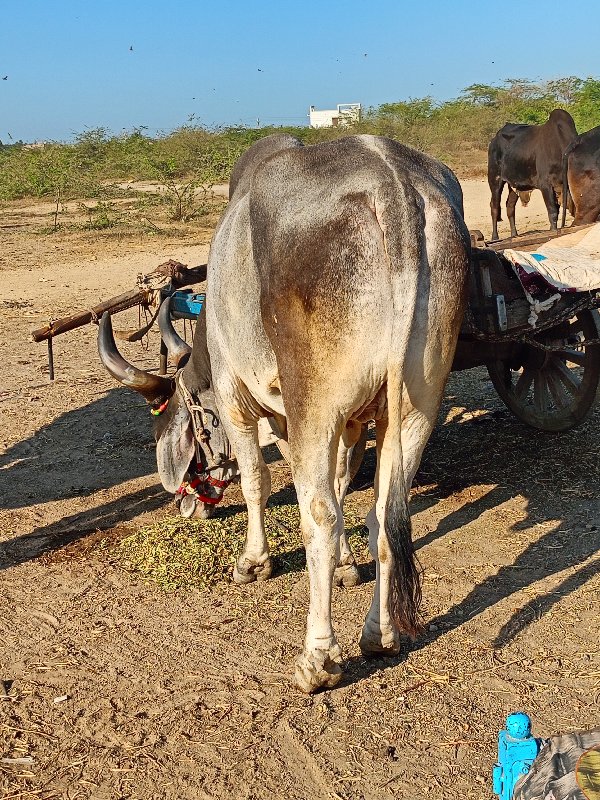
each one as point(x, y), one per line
point(197, 489)
point(200, 427)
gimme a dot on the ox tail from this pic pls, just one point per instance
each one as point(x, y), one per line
point(405, 584)
point(565, 179)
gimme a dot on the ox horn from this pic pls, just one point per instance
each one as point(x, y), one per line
point(178, 348)
point(152, 387)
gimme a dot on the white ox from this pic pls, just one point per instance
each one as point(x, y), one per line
point(336, 288)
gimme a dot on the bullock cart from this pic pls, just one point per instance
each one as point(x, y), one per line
point(547, 373)
point(540, 345)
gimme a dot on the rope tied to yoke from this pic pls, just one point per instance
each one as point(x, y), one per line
point(588, 302)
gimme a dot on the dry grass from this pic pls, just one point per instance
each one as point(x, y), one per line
point(177, 553)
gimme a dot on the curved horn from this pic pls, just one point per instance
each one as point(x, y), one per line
point(152, 387)
point(177, 347)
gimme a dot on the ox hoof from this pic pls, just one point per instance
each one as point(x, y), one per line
point(319, 669)
point(346, 575)
point(246, 572)
point(375, 642)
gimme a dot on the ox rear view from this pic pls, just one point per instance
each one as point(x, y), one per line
point(336, 288)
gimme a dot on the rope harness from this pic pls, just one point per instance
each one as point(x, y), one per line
point(587, 302)
point(198, 488)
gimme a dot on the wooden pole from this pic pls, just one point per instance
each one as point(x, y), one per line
point(50, 360)
point(120, 303)
point(178, 274)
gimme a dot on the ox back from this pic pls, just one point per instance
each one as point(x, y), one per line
point(581, 176)
point(529, 157)
point(244, 168)
point(336, 289)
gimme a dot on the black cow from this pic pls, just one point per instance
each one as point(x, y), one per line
point(581, 176)
point(529, 157)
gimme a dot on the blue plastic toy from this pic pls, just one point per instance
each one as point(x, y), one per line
point(186, 305)
point(517, 750)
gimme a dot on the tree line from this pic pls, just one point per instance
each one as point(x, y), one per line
point(456, 131)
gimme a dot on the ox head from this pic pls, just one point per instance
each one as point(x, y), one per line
point(193, 454)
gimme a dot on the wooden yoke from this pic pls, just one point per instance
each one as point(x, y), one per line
point(163, 281)
point(167, 278)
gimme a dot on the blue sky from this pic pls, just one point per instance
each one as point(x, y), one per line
point(69, 65)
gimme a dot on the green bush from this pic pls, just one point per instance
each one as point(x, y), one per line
point(192, 157)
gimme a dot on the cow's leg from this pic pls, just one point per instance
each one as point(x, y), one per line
point(346, 573)
point(511, 202)
point(254, 563)
point(380, 633)
point(496, 186)
point(551, 205)
point(313, 460)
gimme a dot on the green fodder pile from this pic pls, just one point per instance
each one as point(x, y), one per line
point(178, 553)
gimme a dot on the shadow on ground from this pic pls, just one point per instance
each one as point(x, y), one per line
point(94, 447)
point(557, 475)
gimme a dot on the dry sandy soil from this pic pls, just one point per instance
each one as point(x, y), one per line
point(115, 689)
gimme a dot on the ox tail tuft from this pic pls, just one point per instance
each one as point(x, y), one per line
point(405, 588)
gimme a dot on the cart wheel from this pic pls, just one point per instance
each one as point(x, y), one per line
point(553, 390)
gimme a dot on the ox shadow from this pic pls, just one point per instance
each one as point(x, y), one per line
point(557, 476)
point(102, 444)
point(84, 451)
point(557, 481)
point(114, 515)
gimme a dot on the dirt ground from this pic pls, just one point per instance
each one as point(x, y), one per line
point(111, 688)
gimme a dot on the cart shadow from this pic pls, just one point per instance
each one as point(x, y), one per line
point(95, 447)
point(47, 539)
point(549, 471)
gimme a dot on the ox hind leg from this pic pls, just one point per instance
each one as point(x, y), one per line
point(350, 451)
point(496, 187)
point(511, 203)
point(551, 202)
point(381, 632)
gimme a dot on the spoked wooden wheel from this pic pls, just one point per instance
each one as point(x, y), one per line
point(553, 390)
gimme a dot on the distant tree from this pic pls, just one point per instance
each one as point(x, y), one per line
point(586, 108)
point(408, 111)
point(564, 90)
point(481, 94)
point(523, 89)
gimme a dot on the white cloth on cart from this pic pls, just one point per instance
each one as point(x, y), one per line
point(558, 266)
point(575, 268)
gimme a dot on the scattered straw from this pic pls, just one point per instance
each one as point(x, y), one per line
point(176, 553)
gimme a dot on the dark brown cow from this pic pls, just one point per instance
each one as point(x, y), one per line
point(581, 176)
point(529, 157)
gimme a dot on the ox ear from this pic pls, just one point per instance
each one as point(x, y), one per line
point(175, 449)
